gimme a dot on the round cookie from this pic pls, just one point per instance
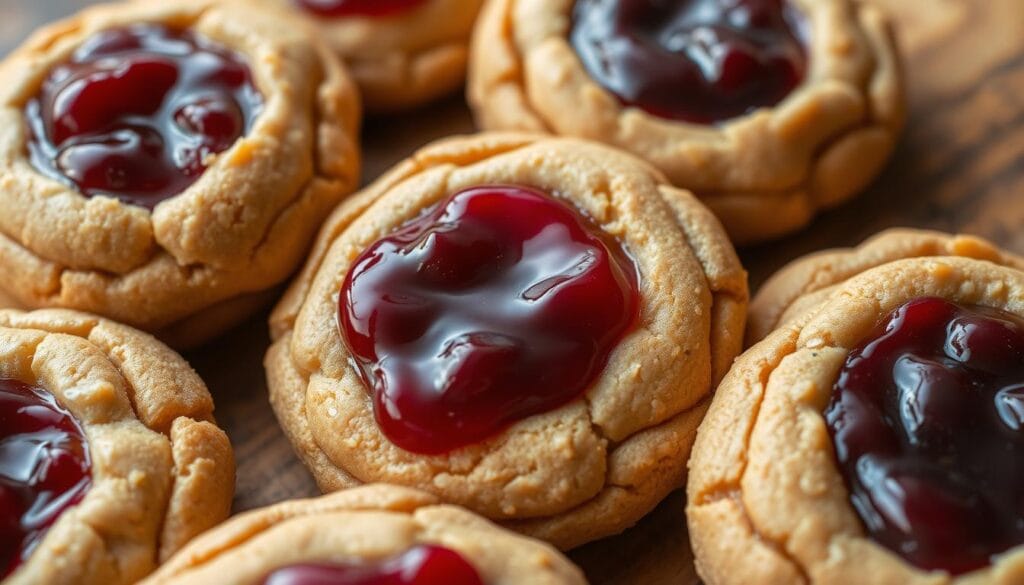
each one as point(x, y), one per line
point(587, 468)
point(167, 164)
point(765, 172)
point(125, 443)
point(805, 282)
point(362, 525)
point(402, 54)
point(767, 498)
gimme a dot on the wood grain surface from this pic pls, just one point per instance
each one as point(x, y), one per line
point(960, 167)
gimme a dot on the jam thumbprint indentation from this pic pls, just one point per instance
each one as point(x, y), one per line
point(44, 468)
point(423, 565)
point(371, 8)
point(926, 419)
point(497, 304)
point(136, 113)
point(699, 61)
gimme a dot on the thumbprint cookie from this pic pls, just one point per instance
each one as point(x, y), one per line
point(528, 327)
point(109, 457)
point(806, 281)
point(167, 164)
point(768, 110)
point(876, 435)
point(370, 535)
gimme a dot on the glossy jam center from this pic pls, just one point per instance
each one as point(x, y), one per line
point(927, 419)
point(372, 8)
point(498, 304)
point(44, 468)
point(699, 61)
point(137, 112)
point(423, 565)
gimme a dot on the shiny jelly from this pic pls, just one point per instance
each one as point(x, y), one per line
point(699, 61)
point(499, 303)
point(370, 8)
point(44, 468)
point(423, 565)
point(136, 113)
point(927, 419)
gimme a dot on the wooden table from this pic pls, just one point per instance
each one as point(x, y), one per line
point(960, 167)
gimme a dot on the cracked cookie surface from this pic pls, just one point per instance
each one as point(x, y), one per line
point(806, 281)
point(161, 470)
point(205, 258)
point(363, 524)
point(766, 501)
point(588, 469)
point(764, 174)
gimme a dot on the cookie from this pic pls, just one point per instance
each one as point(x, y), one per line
point(167, 164)
point(875, 433)
point(528, 327)
point(111, 460)
point(769, 111)
point(402, 53)
point(381, 531)
point(806, 281)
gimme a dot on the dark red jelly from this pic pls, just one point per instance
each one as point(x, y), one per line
point(497, 304)
point(44, 468)
point(137, 111)
point(372, 8)
point(423, 565)
point(927, 420)
point(700, 61)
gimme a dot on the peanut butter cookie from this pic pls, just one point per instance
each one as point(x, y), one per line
point(528, 327)
point(402, 53)
point(877, 432)
point(371, 534)
point(805, 282)
point(109, 457)
point(768, 110)
point(165, 164)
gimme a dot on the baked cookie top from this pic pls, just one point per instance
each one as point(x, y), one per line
point(582, 467)
point(372, 526)
point(805, 282)
point(402, 53)
point(767, 110)
point(159, 159)
point(111, 458)
point(797, 476)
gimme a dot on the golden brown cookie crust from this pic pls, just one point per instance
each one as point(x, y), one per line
point(765, 174)
point(806, 281)
point(364, 523)
point(241, 228)
point(405, 60)
point(196, 329)
point(586, 470)
point(162, 472)
point(766, 502)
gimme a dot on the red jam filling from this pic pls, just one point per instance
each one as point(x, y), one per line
point(498, 304)
point(927, 420)
point(700, 61)
point(136, 113)
point(423, 565)
point(371, 8)
point(44, 468)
